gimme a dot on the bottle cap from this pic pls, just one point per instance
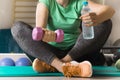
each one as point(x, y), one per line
point(85, 3)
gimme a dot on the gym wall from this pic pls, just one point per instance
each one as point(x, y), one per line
point(15, 10)
point(6, 13)
point(115, 34)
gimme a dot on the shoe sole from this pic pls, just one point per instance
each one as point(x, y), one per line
point(84, 69)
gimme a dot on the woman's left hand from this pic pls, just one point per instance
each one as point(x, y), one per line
point(90, 19)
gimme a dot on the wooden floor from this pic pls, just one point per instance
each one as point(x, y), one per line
point(58, 78)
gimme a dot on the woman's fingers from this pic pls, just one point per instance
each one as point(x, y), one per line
point(89, 19)
point(49, 36)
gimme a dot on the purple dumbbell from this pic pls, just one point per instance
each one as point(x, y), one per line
point(38, 33)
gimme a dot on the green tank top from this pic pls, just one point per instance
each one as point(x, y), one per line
point(65, 18)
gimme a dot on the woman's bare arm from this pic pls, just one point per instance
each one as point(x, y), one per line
point(41, 15)
point(103, 12)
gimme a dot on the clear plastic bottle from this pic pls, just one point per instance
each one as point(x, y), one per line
point(88, 32)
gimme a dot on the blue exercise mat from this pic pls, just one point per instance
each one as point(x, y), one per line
point(26, 71)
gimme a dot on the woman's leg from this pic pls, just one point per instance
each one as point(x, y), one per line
point(90, 49)
point(22, 33)
point(41, 50)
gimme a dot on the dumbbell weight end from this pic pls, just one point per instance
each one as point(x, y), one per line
point(37, 33)
point(59, 35)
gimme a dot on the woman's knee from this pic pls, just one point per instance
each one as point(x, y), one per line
point(16, 28)
point(104, 28)
point(19, 29)
point(107, 25)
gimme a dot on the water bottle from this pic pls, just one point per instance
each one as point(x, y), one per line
point(88, 32)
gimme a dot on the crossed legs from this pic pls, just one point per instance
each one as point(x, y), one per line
point(82, 50)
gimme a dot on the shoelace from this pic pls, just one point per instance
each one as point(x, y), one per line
point(71, 70)
point(48, 67)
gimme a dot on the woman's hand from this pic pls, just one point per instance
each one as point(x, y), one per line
point(49, 36)
point(90, 19)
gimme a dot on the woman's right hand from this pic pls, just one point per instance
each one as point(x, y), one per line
point(49, 36)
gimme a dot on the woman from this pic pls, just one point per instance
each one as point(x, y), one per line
point(66, 15)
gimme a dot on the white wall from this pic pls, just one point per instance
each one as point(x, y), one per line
point(115, 19)
point(6, 13)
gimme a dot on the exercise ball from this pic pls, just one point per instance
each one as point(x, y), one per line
point(117, 64)
point(7, 62)
point(23, 61)
point(116, 44)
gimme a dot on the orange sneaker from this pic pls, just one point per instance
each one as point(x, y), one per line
point(83, 69)
point(40, 66)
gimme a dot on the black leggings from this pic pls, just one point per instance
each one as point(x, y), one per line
point(82, 50)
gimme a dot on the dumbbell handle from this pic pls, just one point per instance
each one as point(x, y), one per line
point(38, 33)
